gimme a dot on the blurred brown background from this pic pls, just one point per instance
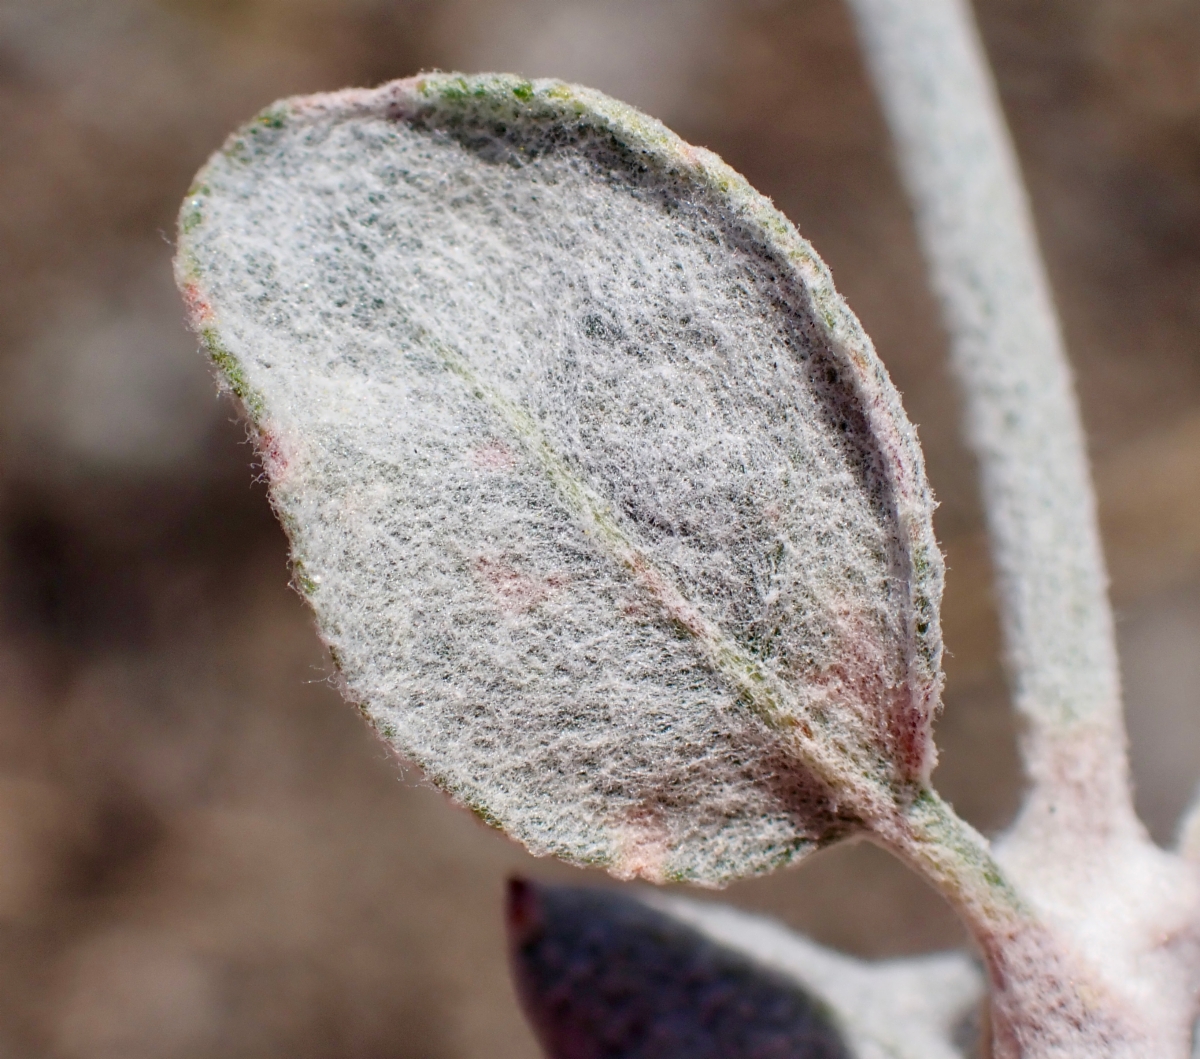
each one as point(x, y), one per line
point(202, 851)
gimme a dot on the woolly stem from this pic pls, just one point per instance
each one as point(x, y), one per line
point(1045, 998)
point(956, 859)
point(976, 229)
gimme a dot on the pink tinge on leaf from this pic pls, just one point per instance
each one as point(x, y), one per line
point(514, 591)
point(868, 680)
point(199, 311)
point(273, 454)
point(635, 608)
point(643, 846)
point(494, 456)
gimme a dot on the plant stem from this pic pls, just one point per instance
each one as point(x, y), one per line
point(976, 228)
point(957, 860)
point(1046, 1000)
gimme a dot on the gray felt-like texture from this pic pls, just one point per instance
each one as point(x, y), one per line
point(606, 508)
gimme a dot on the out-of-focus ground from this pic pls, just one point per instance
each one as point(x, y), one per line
point(202, 851)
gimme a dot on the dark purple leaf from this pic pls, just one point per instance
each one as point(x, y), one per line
point(603, 976)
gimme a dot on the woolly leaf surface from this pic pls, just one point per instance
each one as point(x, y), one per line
point(606, 507)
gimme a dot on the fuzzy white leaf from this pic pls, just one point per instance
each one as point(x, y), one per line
point(605, 505)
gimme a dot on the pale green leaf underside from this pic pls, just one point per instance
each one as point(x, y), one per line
point(603, 501)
